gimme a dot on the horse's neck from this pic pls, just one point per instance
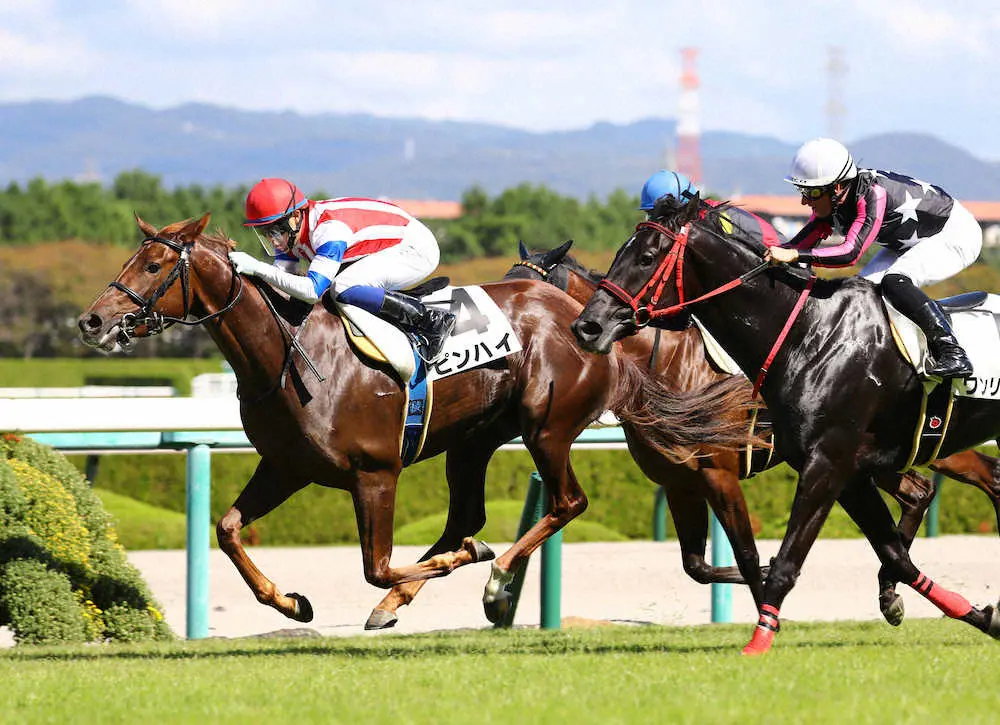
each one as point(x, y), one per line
point(748, 320)
point(579, 287)
point(248, 335)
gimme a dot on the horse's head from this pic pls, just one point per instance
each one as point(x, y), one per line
point(159, 286)
point(544, 266)
point(637, 283)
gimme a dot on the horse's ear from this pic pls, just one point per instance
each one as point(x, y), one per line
point(193, 229)
point(692, 207)
point(145, 227)
point(557, 254)
point(522, 250)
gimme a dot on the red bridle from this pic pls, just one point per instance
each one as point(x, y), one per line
point(673, 262)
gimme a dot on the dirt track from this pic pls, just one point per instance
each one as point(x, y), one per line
point(640, 582)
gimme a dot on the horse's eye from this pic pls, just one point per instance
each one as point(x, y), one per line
point(645, 259)
point(153, 267)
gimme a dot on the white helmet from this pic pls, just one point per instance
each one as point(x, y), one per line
point(821, 162)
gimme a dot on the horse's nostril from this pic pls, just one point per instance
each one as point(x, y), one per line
point(91, 322)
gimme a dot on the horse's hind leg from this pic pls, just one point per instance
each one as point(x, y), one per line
point(866, 507)
point(265, 490)
point(976, 469)
point(914, 493)
point(566, 501)
point(466, 473)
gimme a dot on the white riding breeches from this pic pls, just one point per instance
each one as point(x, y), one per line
point(403, 265)
point(934, 258)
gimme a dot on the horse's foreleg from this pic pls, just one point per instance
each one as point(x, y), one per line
point(816, 492)
point(264, 492)
point(870, 513)
point(465, 470)
point(374, 508)
point(726, 498)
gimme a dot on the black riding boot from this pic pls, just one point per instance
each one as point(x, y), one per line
point(948, 359)
point(431, 327)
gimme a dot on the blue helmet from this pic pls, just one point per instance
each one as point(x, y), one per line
point(662, 183)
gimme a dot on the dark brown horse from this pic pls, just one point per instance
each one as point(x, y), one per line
point(679, 359)
point(345, 432)
point(842, 399)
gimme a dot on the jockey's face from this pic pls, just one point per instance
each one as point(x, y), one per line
point(279, 236)
point(819, 200)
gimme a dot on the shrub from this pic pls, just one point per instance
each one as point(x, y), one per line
point(40, 604)
point(63, 575)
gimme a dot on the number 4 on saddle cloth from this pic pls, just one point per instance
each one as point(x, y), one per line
point(975, 319)
point(482, 335)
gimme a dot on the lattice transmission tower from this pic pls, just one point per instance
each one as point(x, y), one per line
point(688, 118)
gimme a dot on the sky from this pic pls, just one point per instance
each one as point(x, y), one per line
point(927, 67)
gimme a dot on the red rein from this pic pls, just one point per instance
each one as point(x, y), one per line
point(673, 263)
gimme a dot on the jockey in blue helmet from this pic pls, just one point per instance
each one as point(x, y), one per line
point(662, 183)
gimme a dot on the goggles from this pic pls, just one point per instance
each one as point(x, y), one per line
point(274, 237)
point(812, 193)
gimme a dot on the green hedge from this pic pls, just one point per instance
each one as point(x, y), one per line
point(621, 498)
point(70, 373)
point(63, 575)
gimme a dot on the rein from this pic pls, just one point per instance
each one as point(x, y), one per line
point(672, 263)
point(156, 322)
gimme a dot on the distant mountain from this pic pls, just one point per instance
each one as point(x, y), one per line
point(98, 137)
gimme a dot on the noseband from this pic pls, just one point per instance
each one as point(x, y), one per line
point(156, 322)
point(673, 263)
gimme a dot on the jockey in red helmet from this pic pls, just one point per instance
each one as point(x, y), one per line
point(365, 249)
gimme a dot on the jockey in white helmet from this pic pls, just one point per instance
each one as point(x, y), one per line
point(925, 234)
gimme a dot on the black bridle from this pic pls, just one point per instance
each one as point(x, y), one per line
point(156, 322)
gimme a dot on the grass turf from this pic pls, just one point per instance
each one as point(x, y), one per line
point(856, 672)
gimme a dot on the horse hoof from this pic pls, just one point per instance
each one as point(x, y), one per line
point(381, 619)
point(893, 611)
point(497, 610)
point(303, 609)
point(483, 553)
point(993, 626)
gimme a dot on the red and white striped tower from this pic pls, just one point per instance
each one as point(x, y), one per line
point(688, 131)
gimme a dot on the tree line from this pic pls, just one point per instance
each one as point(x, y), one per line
point(40, 211)
point(59, 242)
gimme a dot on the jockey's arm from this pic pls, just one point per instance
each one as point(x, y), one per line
point(317, 280)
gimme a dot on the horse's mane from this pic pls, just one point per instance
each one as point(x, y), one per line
point(216, 237)
point(573, 264)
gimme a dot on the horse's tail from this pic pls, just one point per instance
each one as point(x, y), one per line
point(682, 424)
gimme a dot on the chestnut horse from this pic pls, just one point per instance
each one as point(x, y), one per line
point(345, 432)
point(678, 357)
point(843, 401)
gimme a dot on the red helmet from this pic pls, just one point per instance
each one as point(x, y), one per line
point(270, 200)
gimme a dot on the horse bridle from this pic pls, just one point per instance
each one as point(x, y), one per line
point(156, 322)
point(673, 263)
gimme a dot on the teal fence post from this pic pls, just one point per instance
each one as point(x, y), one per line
point(531, 512)
point(660, 515)
point(199, 492)
point(551, 601)
point(722, 555)
point(933, 513)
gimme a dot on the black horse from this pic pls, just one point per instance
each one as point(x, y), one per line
point(842, 400)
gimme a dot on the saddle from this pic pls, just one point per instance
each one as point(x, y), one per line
point(975, 320)
point(382, 342)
